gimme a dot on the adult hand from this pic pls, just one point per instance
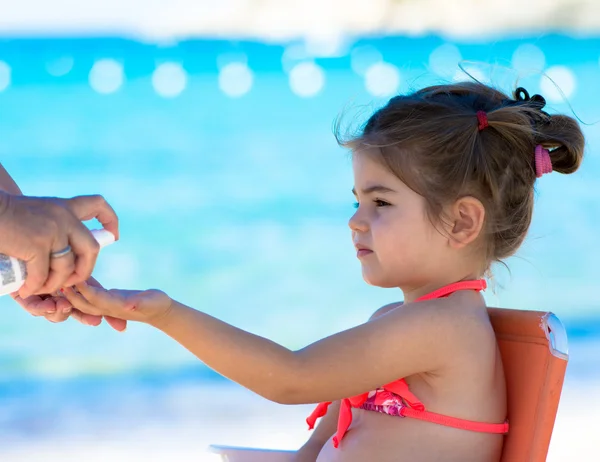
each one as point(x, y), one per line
point(56, 308)
point(33, 227)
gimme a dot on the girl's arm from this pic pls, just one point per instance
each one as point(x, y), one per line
point(323, 431)
point(400, 343)
point(7, 184)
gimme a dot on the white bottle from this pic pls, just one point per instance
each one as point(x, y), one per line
point(13, 271)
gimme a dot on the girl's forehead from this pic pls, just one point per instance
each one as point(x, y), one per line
point(369, 174)
point(362, 163)
point(367, 169)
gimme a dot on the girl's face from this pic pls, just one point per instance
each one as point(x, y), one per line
point(396, 243)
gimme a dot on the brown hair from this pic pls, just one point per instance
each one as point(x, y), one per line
point(430, 139)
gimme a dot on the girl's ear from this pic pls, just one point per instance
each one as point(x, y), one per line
point(466, 220)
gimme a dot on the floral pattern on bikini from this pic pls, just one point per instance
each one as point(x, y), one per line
point(386, 402)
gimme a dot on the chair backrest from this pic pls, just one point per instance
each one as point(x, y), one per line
point(534, 351)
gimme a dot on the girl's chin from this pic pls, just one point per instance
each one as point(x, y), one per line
point(378, 280)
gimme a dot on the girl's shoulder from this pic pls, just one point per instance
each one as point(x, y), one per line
point(385, 309)
point(460, 320)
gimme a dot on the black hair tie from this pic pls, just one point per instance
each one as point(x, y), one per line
point(536, 101)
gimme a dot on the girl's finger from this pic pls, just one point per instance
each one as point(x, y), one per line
point(78, 301)
point(94, 283)
point(92, 294)
point(106, 300)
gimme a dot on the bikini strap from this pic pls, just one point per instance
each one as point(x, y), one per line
point(477, 285)
point(462, 424)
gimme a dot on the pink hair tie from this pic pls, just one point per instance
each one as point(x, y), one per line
point(482, 119)
point(543, 164)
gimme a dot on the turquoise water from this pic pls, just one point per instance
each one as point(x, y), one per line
point(238, 205)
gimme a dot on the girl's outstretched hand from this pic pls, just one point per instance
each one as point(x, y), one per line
point(147, 306)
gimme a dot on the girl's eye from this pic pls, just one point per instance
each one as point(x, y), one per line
point(377, 202)
point(381, 203)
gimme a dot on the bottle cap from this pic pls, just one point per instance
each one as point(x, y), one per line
point(103, 237)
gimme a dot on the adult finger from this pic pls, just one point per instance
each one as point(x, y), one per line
point(85, 249)
point(61, 266)
point(63, 311)
point(37, 273)
point(85, 318)
point(95, 206)
point(116, 323)
point(35, 304)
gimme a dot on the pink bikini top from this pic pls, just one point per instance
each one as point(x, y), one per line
point(396, 399)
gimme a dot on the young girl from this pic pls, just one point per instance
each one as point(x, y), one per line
point(444, 181)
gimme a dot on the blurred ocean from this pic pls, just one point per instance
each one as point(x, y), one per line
point(233, 198)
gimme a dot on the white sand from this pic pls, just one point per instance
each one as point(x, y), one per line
point(575, 434)
point(283, 19)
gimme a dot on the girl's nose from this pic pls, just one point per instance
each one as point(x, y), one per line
point(357, 223)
